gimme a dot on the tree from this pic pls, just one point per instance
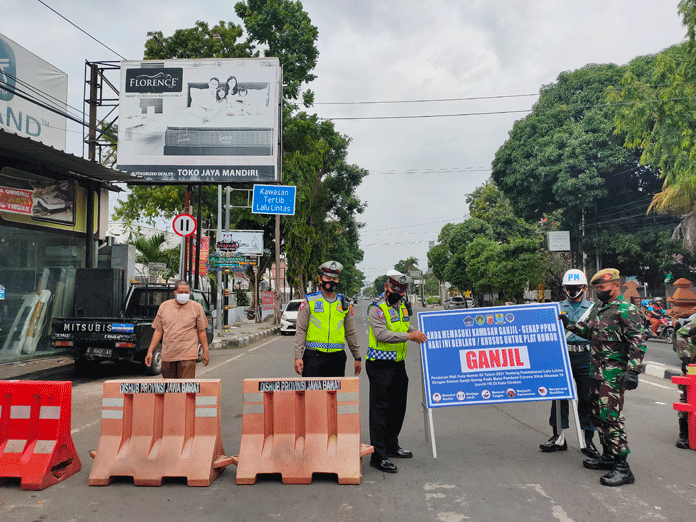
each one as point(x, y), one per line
point(489, 204)
point(149, 250)
point(378, 285)
point(406, 265)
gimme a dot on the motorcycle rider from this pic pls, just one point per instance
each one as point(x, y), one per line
point(655, 315)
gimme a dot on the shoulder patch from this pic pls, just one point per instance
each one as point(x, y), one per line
point(380, 313)
point(302, 305)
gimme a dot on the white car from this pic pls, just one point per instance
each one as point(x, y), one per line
point(288, 321)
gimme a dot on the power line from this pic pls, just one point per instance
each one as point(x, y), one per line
point(428, 101)
point(77, 27)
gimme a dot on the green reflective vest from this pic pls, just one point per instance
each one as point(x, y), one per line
point(396, 321)
point(325, 331)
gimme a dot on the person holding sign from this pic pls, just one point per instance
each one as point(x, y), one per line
point(324, 324)
point(615, 331)
point(390, 331)
point(575, 286)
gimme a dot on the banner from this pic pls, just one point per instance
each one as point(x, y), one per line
point(495, 355)
point(241, 243)
point(205, 254)
point(25, 75)
point(207, 120)
point(37, 198)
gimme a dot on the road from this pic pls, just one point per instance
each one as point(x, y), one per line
point(488, 468)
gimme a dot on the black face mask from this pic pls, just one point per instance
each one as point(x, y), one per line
point(573, 291)
point(329, 286)
point(392, 299)
point(604, 295)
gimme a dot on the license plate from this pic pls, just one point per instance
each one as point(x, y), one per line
point(100, 352)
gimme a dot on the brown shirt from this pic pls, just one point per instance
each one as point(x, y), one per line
point(180, 325)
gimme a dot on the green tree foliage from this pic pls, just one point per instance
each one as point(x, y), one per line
point(489, 204)
point(406, 265)
point(149, 250)
point(378, 285)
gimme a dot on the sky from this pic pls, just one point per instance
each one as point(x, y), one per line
point(499, 52)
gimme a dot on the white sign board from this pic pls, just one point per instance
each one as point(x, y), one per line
point(243, 242)
point(24, 75)
point(559, 241)
point(207, 120)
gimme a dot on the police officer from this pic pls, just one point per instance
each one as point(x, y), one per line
point(390, 330)
point(324, 324)
point(574, 285)
point(615, 331)
point(686, 349)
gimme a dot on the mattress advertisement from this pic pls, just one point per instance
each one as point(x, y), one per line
point(35, 198)
point(200, 121)
point(24, 79)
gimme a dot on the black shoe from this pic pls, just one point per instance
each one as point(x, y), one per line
point(400, 453)
point(552, 445)
point(384, 465)
point(683, 441)
point(605, 462)
point(590, 450)
point(620, 475)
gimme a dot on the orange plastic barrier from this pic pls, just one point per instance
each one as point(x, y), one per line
point(689, 381)
point(155, 429)
point(35, 440)
point(297, 427)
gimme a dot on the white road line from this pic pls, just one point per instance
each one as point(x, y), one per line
point(660, 385)
point(77, 430)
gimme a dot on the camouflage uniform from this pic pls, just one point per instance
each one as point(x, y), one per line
point(615, 331)
point(686, 347)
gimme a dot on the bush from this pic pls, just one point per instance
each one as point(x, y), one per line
point(242, 298)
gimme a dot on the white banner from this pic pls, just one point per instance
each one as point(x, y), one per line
point(24, 75)
point(241, 242)
point(206, 120)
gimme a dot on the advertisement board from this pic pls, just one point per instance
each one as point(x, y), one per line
point(24, 75)
point(30, 198)
point(208, 120)
point(495, 355)
point(241, 242)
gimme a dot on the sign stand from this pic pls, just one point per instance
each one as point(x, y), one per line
point(428, 426)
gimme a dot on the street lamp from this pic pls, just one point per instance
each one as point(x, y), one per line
point(153, 34)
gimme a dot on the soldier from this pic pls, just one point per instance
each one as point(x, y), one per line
point(615, 331)
point(686, 349)
point(390, 331)
point(324, 324)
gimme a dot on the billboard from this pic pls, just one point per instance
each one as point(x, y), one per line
point(241, 242)
point(208, 120)
point(24, 75)
point(494, 355)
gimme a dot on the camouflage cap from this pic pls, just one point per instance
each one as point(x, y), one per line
point(604, 276)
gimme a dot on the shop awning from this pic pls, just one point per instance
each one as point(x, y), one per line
point(28, 151)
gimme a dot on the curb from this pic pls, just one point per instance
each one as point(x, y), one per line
point(238, 341)
point(661, 371)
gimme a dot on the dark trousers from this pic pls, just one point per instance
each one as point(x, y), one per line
point(580, 364)
point(388, 389)
point(324, 364)
point(179, 369)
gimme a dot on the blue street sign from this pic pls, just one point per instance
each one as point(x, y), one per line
point(494, 355)
point(273, 199)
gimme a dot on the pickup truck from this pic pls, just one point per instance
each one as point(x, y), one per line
point(91, 340)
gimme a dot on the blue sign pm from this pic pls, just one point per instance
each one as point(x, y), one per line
point(273, 199)
point(494, 355)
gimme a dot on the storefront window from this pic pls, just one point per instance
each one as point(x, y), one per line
point(37, 273)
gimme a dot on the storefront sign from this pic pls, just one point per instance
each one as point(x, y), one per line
point(495, 355)
point(241, 242)
point(37, 198)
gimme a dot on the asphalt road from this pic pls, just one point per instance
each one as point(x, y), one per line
point(488, 468)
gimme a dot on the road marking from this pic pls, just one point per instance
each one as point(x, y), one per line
point(77, 430)
point(659, 385)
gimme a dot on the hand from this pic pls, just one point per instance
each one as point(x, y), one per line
point(417, 336)
point(299, 366)
point(628, 379)
point(685, 362)
point(358, 367)
point(564, 319)
point(206, 357)
point(148, 358)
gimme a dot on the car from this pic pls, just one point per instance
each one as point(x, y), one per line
point(454, 302)
point(288, 321)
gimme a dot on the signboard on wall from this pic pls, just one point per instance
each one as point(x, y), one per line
point(493, 355)
point(30, 198)
point(207, 120)
point(241, 242)
point(22, 75)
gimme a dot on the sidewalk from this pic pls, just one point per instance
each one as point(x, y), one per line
point(243, 334)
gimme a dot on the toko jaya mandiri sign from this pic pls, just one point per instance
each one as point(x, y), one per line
point(495, 355)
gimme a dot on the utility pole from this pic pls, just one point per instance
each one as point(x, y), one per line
point(582, 244)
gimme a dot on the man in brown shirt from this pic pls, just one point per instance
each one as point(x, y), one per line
point(180, 325)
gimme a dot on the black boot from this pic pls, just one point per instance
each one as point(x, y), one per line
point(606, 461)
point(620, 475)
point(683, 441)
point(590, 449)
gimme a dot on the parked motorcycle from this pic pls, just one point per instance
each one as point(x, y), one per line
point(250, 312)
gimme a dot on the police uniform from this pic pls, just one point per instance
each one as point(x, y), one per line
point(386, 370)
point(686, 350)
point(615, 331)
point(323, 328)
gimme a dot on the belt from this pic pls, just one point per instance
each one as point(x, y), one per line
point(578, 347)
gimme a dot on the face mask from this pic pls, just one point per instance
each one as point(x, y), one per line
point(604, 296)
point(392, 299)
point(329, 286)
point(182, 298)
point(573, 291)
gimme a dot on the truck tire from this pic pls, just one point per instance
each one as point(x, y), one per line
point(200, 353)
point(156, 367)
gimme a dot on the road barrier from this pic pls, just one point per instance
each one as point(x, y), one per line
point(35, 441)
point(153, 429)
point(689, 381)
point(297, 427)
